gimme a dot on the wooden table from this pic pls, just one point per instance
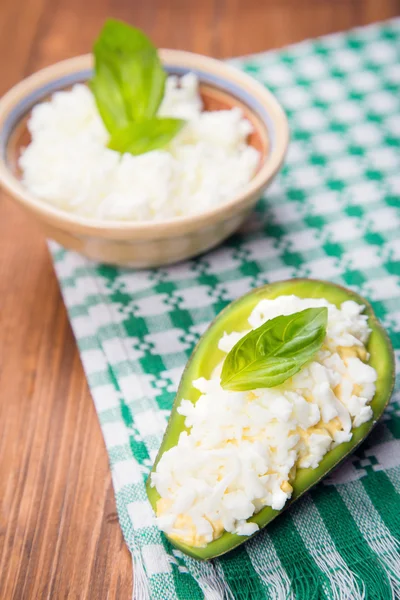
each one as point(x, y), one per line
point(59, 532)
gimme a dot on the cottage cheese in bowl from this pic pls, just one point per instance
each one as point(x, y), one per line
point(151, 209)
point(68, 164)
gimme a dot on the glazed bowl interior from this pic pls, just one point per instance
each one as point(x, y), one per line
point(213, 98)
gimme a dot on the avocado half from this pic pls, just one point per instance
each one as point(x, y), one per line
point(206, 356)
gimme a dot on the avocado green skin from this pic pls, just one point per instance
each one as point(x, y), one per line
point(206, 356)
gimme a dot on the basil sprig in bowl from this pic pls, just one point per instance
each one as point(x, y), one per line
point(129, 113)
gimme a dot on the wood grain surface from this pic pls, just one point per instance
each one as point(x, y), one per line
point(59, 533)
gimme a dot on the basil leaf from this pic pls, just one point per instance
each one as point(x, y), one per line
point(277, 350)
point(144, 136)
point(108, 94)
point(129, 80)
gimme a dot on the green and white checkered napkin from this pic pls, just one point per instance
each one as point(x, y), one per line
point(332, 213)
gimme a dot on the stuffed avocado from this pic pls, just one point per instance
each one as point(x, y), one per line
point(209, 361)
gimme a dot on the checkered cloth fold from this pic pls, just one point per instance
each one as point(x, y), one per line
point(332, 213)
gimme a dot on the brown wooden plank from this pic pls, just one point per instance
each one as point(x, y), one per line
point(59, 537)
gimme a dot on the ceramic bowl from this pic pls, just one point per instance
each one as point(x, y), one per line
point(146, 243)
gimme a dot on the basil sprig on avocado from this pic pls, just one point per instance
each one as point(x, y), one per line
point(275, 351)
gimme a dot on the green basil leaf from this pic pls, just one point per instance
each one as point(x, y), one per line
point(108, 93)
point(144, 136)
point(129, 80)
point(270, 354)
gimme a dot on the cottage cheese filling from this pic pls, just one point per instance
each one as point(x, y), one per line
point(242, 449)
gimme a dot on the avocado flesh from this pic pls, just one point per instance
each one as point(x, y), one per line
point(206, 356)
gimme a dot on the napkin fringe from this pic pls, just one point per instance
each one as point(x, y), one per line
point(213, 588)
point(343, 582)
point(211, 580)
point(387, 550)
point(141, 589)
point(278, 587)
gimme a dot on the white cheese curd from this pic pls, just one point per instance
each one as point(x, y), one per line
point(69, 165)
point(241, 450)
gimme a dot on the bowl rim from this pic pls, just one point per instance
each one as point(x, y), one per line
point(145, 229)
